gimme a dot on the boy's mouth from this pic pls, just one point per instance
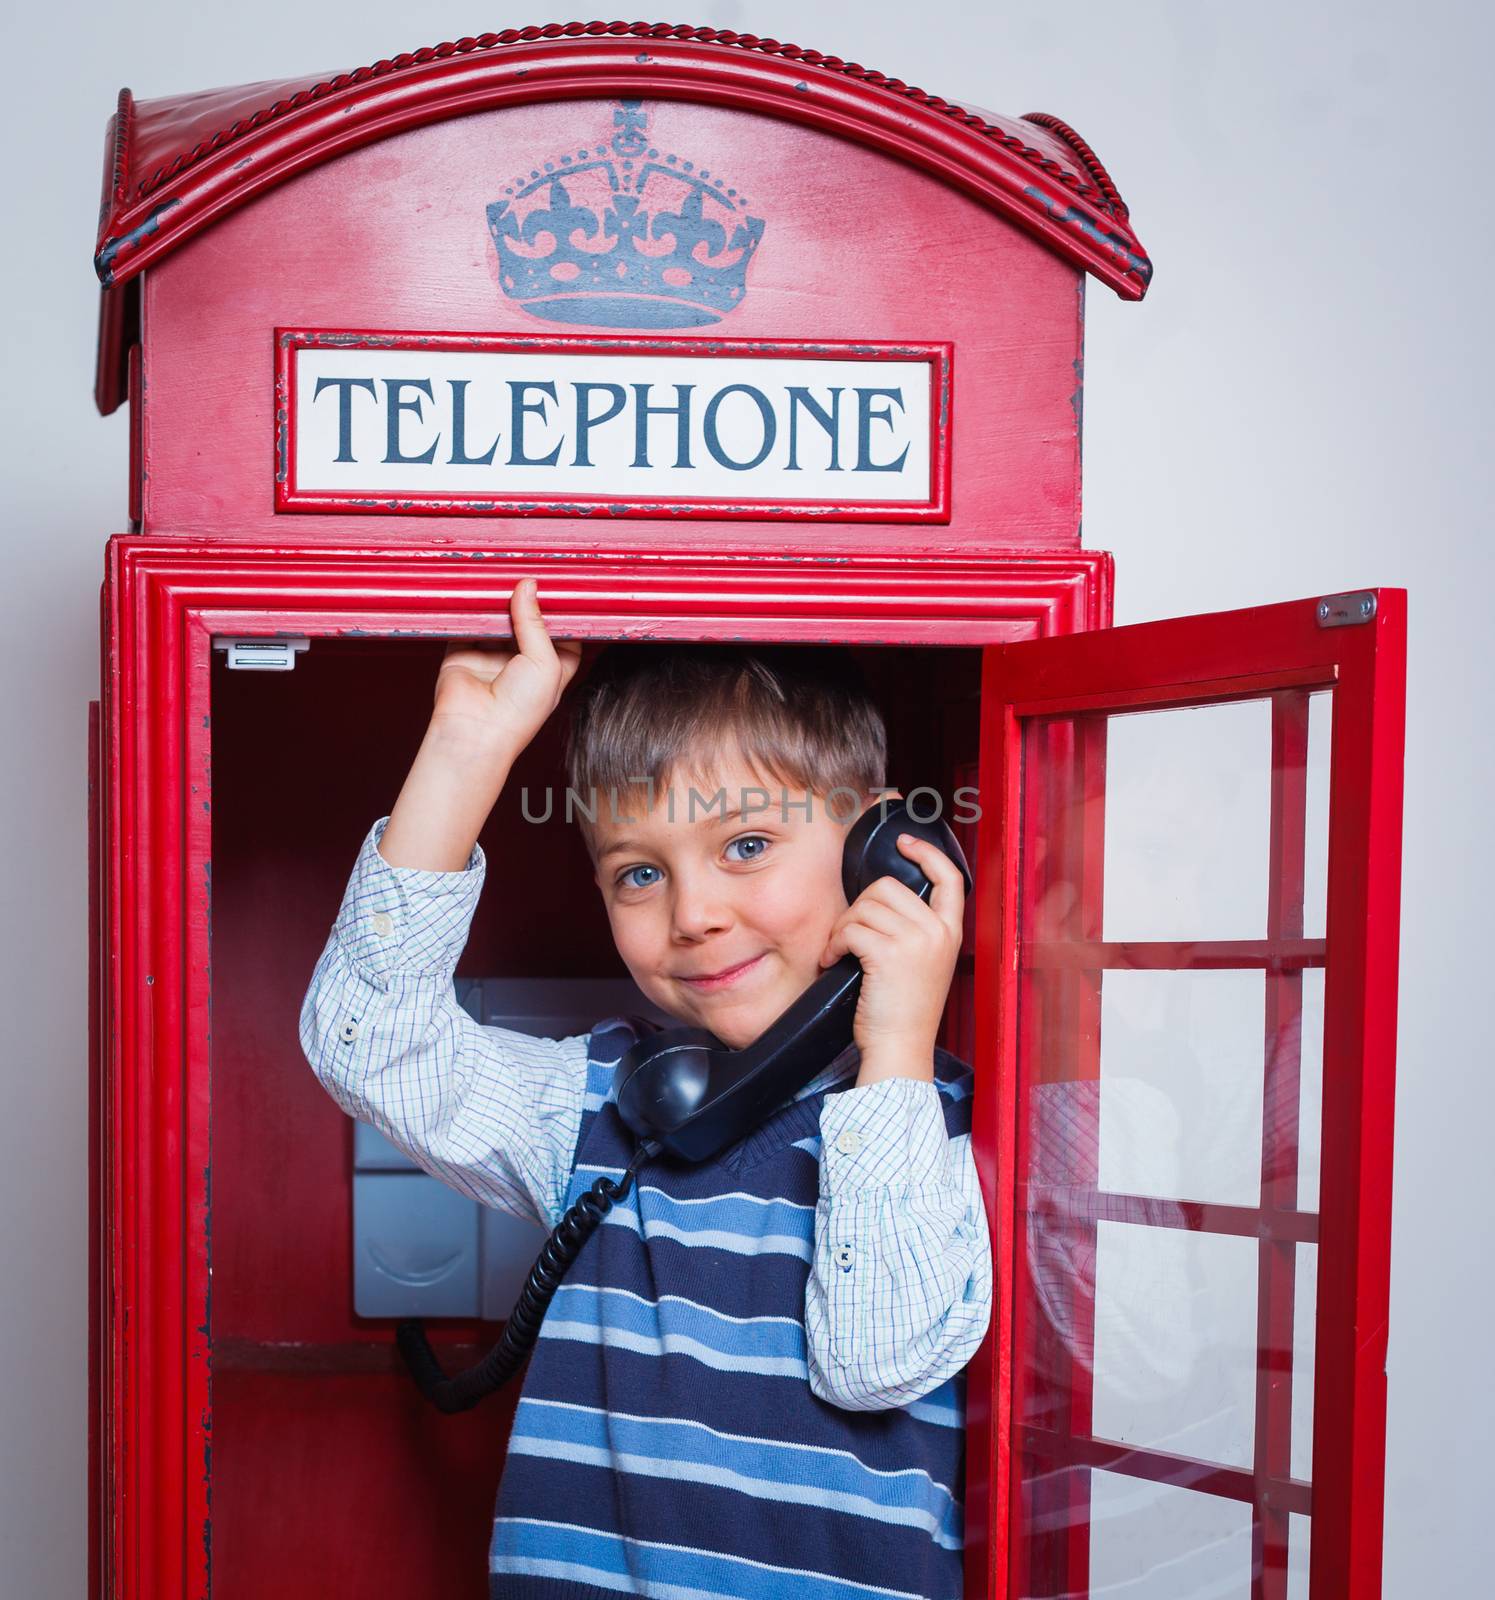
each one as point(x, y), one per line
point(723, 978)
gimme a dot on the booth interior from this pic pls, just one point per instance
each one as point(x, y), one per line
point(317, 1430)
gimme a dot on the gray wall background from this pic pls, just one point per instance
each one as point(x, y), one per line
point(1299, 407)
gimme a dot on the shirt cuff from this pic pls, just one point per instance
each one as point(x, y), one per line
point(406, 920)
point(888, 1135)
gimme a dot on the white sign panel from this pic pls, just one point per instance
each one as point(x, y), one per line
point(411, 422)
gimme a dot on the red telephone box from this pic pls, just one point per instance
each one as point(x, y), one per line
point(721, 339)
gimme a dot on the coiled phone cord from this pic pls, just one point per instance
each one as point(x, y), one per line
point(464, 1389)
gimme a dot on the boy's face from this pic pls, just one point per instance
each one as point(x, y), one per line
point(721, 919)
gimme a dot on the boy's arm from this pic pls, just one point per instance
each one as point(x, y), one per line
point(491, 1112)
point(899, 1294)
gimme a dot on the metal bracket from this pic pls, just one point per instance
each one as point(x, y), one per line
point(1346, 610)
point(262, 655)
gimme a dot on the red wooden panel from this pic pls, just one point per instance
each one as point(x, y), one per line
point(176, 166)
point(345, 1483)
point(857, 246)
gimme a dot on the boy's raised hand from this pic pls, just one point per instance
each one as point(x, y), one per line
point(503, 693)
point(490, 702)
point(908, 949)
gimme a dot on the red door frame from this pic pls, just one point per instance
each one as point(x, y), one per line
point(162, 604)
point(1187, 661)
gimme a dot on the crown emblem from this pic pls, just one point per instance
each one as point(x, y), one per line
point(624, 236)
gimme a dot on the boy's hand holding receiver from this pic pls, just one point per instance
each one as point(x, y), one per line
point(908, 951)
point(489, 704)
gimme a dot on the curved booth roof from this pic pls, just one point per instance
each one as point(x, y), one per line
point(176, 166)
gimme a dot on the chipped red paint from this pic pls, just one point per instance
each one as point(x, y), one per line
point(176, 166)
point(160, 150)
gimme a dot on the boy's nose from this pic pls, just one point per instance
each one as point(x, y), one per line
point(699, 909)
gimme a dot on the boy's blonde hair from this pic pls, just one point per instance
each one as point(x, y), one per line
point(802, 716)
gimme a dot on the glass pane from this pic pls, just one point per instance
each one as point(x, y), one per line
point(1311, 1089)
point(1187, 814)
point(1058, 1334)
point(1305, 1323)
point(1316, 821)
point(1151, 1541)
point(1299, 1532)
point(1181, 1085)
point(1175, 1342)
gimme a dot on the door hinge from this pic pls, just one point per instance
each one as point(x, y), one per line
point(262, 655)
point(1346, 610)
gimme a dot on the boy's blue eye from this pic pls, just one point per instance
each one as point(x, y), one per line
point(628, 882)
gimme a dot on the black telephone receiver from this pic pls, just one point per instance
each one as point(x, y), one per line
point(683, 1091)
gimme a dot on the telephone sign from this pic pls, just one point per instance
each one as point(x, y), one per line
point(403, 422)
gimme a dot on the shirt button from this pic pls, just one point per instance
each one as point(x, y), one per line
point(843, 1258)
point(382, 923)
point(350, 1032)
point(849, 1142)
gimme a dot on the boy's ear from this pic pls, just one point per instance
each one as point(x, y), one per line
point(870, 800)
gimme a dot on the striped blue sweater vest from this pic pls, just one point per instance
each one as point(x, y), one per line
point(667, 1442)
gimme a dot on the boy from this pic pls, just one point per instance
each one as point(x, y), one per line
point(750, 1382)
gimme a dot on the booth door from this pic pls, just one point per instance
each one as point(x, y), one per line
point(1196, 1004)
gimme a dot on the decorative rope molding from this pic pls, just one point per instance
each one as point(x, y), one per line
point(124, 126)
point(1091, 162)
point(1101, 192)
